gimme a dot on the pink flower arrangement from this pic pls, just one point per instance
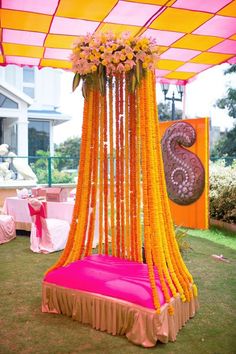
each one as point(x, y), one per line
point(117, 53)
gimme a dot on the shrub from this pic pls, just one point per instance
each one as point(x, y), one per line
point(40, 168)
point(223, 191)
point(182, 239)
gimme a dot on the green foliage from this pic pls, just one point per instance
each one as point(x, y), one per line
point(40, 168)
point(229, 101)
point(63, 177)
point(164, 112)
point(182, 239)
point(223, 192)
point(66, 157)
point(70, 148)
point(226, 146)
point(76, 81)
point(232, 69)
point(57, 176)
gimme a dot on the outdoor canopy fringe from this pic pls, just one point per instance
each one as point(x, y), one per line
point(121, 166)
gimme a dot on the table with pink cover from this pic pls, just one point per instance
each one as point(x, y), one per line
point(19, 210)
point(114, 295)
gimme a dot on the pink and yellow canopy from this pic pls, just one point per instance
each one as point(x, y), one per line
point(193, 35)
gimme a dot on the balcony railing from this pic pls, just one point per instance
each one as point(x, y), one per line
point(48, 169)
point(58, 169)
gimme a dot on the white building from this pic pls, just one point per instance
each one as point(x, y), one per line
point(29, 99)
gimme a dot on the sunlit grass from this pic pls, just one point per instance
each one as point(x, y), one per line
point(24, 329)
point(219, 236)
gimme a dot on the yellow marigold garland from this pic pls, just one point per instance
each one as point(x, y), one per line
point(164, 254)
point(176, 259)
point(154, 205)
point(133, 211)
point(105, 177)
point(111, 141)
point(122, 160)
point(117, 113)
point(146, 207)
point(93, 201)
point(127, 173)
point(83, 211)
point(138, 185)
point(101, 176)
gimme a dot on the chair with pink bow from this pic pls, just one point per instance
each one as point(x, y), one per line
point(7, 228)
point(47, 235)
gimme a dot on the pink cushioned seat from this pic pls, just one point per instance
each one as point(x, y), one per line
point(109, 276)
point(7, 228)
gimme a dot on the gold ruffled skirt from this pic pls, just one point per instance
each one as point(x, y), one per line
point(140, 325)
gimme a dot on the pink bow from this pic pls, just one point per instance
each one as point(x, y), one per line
point(39, 213)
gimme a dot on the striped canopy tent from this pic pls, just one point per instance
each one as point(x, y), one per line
point(121, 194)
point(192, 35)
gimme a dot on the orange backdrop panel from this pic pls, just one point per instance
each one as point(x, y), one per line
point(195, 215)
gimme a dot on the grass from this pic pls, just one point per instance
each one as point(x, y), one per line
point(219, 236)
point(24, 329)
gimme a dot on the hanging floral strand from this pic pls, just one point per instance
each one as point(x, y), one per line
point(111, 142)
point(118, 230)
point(93, 201)
point(127, 174)
point(122, 160)
point(101, 176)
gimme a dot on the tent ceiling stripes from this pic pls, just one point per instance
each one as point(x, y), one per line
point(193, 35)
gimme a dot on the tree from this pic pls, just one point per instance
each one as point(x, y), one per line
point(164, 112)
point(229, 101)
point(40, 167)
point(226, 146)
point(71, 149)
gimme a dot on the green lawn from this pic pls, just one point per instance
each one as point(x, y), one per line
point(24, 329)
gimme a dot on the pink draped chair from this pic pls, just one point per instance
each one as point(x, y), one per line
point(7, 228)
point(47, 235)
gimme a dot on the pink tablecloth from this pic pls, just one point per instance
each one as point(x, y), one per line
point(18, 208)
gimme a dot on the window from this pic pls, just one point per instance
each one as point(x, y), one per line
point(29, 81)
point(39, 136)
point(6, 102)
point(1, 131)
point(13, 137)
point(29, 91)
point(28, 75)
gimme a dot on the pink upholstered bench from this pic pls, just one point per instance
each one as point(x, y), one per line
point(113, 295)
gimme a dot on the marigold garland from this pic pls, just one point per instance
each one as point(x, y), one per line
point(111, 142)
point(132, 178)
point(105, 177)
point(138, 186)
point(127, 174)
point(93, 201)
point(121, 164)
point(122, 194)
point(117, 116)
point(101, 176)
